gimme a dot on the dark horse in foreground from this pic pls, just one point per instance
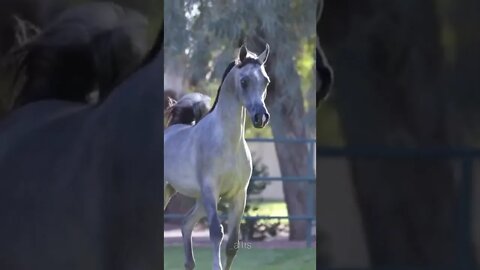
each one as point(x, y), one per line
point(80, 185)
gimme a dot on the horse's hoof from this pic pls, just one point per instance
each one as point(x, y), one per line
point(189, 266)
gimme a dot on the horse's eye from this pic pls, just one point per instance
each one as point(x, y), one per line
point(244, 83)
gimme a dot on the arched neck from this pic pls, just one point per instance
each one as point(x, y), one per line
point(229, 112)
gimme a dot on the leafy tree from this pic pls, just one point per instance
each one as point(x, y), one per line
point(202, 36)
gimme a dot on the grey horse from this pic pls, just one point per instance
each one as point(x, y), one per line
point(80, 185)
point(211, 159)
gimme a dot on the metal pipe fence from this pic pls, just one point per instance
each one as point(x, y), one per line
point(309, 178)
point(465, 156)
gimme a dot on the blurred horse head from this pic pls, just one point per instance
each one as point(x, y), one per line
point(89, 47)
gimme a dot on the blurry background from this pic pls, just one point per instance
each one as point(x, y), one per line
point(42, 12)
point(201, 38)
point(407, 76)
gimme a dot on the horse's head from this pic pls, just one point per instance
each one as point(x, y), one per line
point(251, 81)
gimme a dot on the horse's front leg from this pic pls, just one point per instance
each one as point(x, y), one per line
point(210, 201)
point(237, 206)
point(191, 219)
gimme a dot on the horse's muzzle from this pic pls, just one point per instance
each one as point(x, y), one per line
point(260, 117)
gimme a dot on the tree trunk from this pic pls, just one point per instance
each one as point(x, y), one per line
point(287, 120)
point(388, 63)
point(464, 84)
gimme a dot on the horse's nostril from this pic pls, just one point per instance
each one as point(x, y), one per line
point(256, 118)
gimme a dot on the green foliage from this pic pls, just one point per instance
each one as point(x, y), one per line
point(202, 35)
point(447, 31)
point(305, 64)
point(256, 229)
point(329, 131)
point(251, 132)
point(259, 170)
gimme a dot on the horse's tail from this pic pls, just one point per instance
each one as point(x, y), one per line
point(189, 110)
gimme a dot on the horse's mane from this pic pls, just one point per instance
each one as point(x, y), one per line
point(91, 45)
point(225, 73)
point(178, 113)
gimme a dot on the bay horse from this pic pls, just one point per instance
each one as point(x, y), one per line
point(188, 110)
point(80, 185)
point(211, 159)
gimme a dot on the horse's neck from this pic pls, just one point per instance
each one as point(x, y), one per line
point(231, 115)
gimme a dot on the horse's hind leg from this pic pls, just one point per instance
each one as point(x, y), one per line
point(191, 219)
point(210, 200)
point(237, 206)
point(168, 192)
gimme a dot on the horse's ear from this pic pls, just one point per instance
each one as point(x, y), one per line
point(264, 55)
point(243, 53)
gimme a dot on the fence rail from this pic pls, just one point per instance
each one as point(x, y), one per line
point(308, 178)
point(399, 152)
point(466, 156)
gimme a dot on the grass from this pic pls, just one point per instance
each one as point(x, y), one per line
point(272, 208)
point(246, 259)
